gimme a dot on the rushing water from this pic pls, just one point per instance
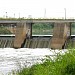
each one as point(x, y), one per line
point(14, 59)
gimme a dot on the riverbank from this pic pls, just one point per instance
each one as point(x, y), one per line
point(62, 65)
point(15, 59)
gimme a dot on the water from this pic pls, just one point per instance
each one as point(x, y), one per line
point(14, 59)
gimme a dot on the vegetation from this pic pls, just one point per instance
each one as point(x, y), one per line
point(62, 65)
point(24, 18)
point(11, 18)
point(73, 28)
point(42, 29)
point(4, 30)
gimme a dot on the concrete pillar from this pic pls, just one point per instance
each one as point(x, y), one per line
point(60, 34)
point(21, 34)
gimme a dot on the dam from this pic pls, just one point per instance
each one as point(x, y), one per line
point(23, 34)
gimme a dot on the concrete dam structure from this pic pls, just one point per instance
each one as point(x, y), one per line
point(60, 35)
point(23, 34)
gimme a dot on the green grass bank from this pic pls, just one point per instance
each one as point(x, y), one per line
point(62, 65)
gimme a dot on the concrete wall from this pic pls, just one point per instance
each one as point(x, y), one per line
point(60, 34)
point(21, 34)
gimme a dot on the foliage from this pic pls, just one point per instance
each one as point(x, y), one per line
point(42, 28)
point(3, 30)
point(24, 18)
point(73, 24)
point(43, 25)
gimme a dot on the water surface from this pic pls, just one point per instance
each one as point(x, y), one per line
point(14, 59)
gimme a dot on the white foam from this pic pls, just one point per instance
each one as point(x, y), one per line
point(12, 59)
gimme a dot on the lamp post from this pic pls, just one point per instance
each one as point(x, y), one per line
point(6, 14)
point(19, 15)
point(65, 13)
point(14, 15)
point(45, 13)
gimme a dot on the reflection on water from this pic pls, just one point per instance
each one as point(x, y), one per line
point(14, 59)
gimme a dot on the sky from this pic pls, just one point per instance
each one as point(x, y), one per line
point(37, 8)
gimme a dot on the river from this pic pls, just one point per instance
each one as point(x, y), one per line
point(13, 59)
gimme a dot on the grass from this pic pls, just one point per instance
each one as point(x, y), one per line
point(62, 65)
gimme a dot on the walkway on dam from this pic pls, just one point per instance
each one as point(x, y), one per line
point(37, 21)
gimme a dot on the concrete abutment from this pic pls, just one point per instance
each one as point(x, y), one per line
point(61, 33)
point(23, 31)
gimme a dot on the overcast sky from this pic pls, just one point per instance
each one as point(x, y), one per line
point(37, 8)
